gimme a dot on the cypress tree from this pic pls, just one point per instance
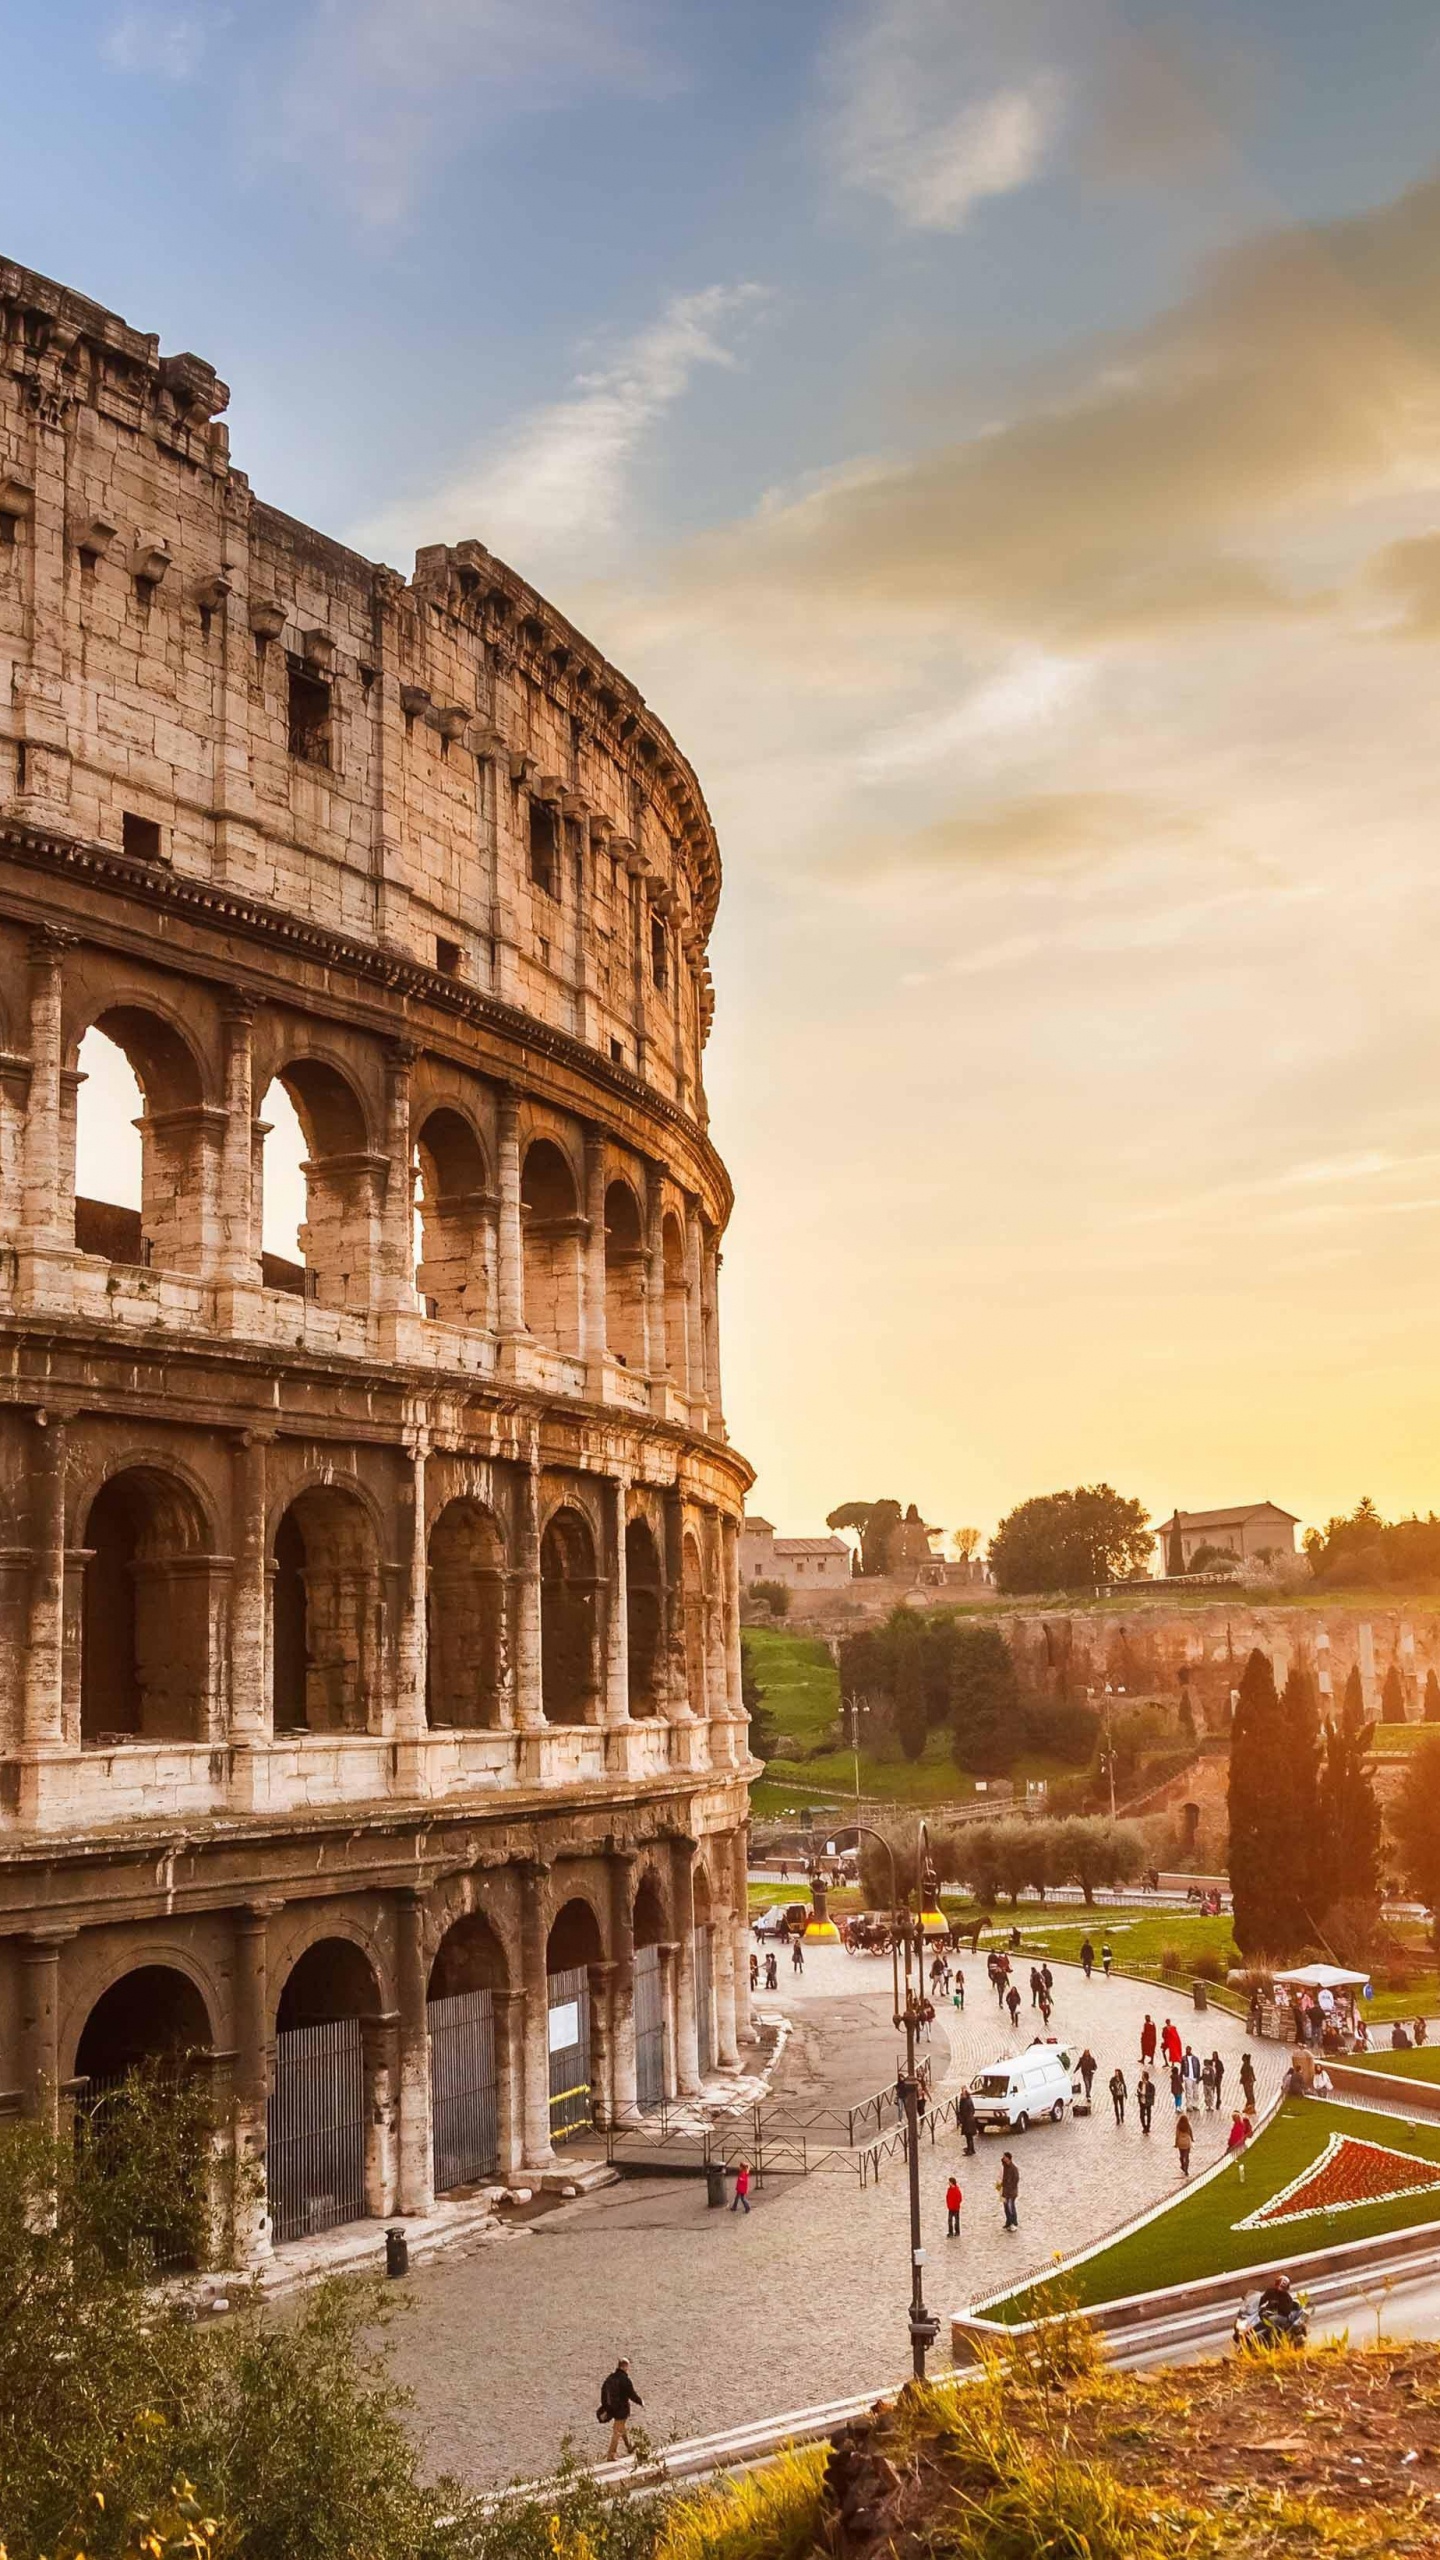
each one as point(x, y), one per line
point(1432, 1698)
point(1274, 1830)
point(1349, 1814)
point(1392, 1697)
point(1353, 1702)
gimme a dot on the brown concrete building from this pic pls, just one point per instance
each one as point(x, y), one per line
point(370, 1717)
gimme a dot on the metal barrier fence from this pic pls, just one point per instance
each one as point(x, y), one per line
point(464, 2088)
point(315, 2139)
point(569, 2038)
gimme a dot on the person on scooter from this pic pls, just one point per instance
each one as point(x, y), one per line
point(1277, 2313)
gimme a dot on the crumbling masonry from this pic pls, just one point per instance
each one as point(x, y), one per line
point(370, 1717)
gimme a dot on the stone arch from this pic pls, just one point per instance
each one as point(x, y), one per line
point(167, 1216)
point(575, 1936)
point(677, 1299)
point(704, 1898)
point(644, 1620)
point(338, 1236)
point(331, 1978)
point(325, 1632)
point(693, 1597)
point(625, 1265)
point(650, 1917)
point(150, 2012)
point(470, 1957)
point(465, 1602)
point(146, 1615)
point(569, 1686)
point(452, 1270)
point(551, 1232)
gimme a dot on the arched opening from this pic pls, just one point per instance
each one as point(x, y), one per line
point(568, 1687)
point(704, 1975)
point(328, 2093)
point(652, 2026)
point(573, 1946)
point(325, 1614)
point(145, 1623)
point(465, 2061)
point(551, 1228)
point(693, 1593)
point(644, 1620)
point(466, 1604)
point(624, 1277)
point(323, 1205)
point(153, 2016)
point(140, 2059)
point(677, 1337)
point(452, 1272)
point(144, 1165)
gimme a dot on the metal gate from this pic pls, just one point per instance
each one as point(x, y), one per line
point(315, 2137)
point(569, 2039)
point(649, 2028)
point(704, 2000)
point(464, 2088)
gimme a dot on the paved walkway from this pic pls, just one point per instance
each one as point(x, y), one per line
point(726, 2319)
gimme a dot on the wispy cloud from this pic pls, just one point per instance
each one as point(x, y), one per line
point(558, 492)
point(917, 116)
point(161, 44)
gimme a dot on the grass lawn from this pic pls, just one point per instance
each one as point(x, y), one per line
point(1140, 1936)
point(1197, 2236)
point(1397, 1741)
point(1424, 2064)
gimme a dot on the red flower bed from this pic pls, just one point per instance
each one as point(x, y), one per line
point(1347, 2173)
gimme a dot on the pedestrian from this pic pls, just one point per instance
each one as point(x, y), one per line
point(1207, 2083)
point(797, 1957)
point(784, 1872)
point(957, 1993)
point(952, 2208)
point(754, 1971)
point(1012, 2003)
point(1087, 2066)
point(740, 2201)
point(1217, 2067)
point(1145, 2098)
point(1177, 2086)
point(1147, 2039)
point(1419, 2031)
point(1036, 1986)
point(966, 2119)
point(1047, 1977)
point(772, 1974)
point(1191, 2069)
point(1239, 2133)
point(1087, 1957)
point(1107, 1957)
point(1170, 2044)
point(1321, 2085)
point(1247, 2083)
point(1046, 2005)
point(618, 2396)
point(998, 1978)
point(1117, 2093)
point(1007, 2188)
point(1184, 2143)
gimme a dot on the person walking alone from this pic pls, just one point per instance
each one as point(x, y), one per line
point(1087, 2068)
point(740, 2201)
point(953, 2201)
point(1184, 2142)
point(1087, 1957)
point(1247, 2083)
point(797, 1957)
point(1036, 1986)
point(1147, 2040)
point(1007, 2187)
point(1145, 2098)
point(1012, 2003)
point(1117, 2093)
point(1107, 1957)
point(618, 2396)
point(965, 2118)
point(1217, 2068)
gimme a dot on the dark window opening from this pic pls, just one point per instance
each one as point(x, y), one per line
point(448, 956)
point(309, 717)
point(544, 847)
point(9, 528)
point(617, 1052)
point(140, 837)
point(657, 950)
point(289, 1631)
point(544, 952)
point(21, 766)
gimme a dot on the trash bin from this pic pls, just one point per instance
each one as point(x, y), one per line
point(714, 2182)
point(1202, 1996)
point(397, 2252)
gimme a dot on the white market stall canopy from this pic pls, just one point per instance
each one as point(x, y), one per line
point(1325, 1977)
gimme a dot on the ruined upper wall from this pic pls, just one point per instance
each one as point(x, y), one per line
point(476, 786)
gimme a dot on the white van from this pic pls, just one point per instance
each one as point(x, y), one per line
point(1018, 2091)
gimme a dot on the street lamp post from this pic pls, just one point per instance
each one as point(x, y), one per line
point(907, 1949)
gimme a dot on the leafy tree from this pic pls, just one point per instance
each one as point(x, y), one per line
point(1071, 1541)
point(1091, 1853)
point(985, 1720)
point(774, 1596)
point(764, 1733)
point(1213, 1560)
point(1415, 1822)
point(1349, 1815)
point(966, 1543)
point(1065, 1728)
point(1273, 1810)
point(1392, 1697)
point(1363, 1551)
point(1432, 1699)
point(908, 1700)
point(877, 1523)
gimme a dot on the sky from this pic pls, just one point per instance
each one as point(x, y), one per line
point(1002, 439)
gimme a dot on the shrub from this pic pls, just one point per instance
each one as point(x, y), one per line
point(774, 1596)
point(1172, 1963)
point(1208, 1967)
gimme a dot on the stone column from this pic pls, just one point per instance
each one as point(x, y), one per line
point(46, 1199)
point(410, 1716)
point(687, 2047)
point(710, 1329)
point(740, 1904)
point(381, 2040)
point(417, 2174)
point(509, 1248)
point(39, 2025)
point(525, 1603)
point(395, 1291)
point(239, 1256)
point(655, 1345)
point(725, 1955)
point(617, 1648)
point(730, 1600)
point(538, 2149)
point(250, 1720)
point(601, 1978)
point(622, 1984)
point(254, 2234)
point(694, 1318)
point(594, 1327)
point(44, 1727)
point(677, 1685)
point(668, 1951)
point(509, 2013)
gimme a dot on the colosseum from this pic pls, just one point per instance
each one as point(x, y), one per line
point(372, 1726)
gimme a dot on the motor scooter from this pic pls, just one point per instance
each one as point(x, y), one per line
point(1258, 2333)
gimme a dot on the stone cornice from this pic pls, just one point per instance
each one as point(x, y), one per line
point(273, 928)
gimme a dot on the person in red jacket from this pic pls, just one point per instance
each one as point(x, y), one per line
point(1147, 2039)
point(953, 2202)
point(1170, 2044)
point(741, 2199)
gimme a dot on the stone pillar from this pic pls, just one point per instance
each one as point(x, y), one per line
point(381, 2041)
point(40, 2023)
point(740, 1904)
point(46, 1197)
point(395, 1292)
point(509, 2014)
point(730, 1602)
point(509, 1247)
point(410, 1716)
point(710, 1329)
point(239, 1255)
point(668, 1951)
point(417, 2173)
point(687, 2048)
point(254, 2233)
point(538, 2149)
point(250, 1720)
point(525, 1603)
point(44, 1727)
point(622, 1984)
point(655, 1345)
point(617, 1648)
point(677, 1686)
point(594, 1329)
point(601, 1978)
point(694, 1317)
point(726, 1954)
